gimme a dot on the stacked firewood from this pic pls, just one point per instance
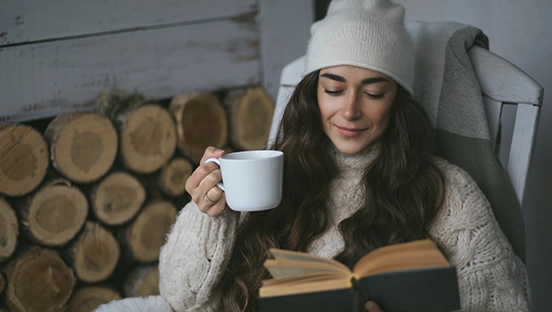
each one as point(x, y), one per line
point(87, 199)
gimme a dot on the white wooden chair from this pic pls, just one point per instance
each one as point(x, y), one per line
point(501, 82)
point(504, 84)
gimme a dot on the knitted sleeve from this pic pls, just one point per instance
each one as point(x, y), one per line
point(194, 257)
point(490, 276)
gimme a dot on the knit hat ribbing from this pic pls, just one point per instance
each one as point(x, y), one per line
point(364, 33)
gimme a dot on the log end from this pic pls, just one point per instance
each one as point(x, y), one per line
point(96, 253)
point(9, 230)
point(118, 198)
point(251, 119)
point(88, 298)
point(142, 281)
point(24, 155)
point(147, 233)
point(83, 145)
point(148, 138)
point(173, 176)
point(201, 121)
point(56, 213)
point(39, 281)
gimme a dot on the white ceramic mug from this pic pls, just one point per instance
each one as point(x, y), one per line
point(252, 180)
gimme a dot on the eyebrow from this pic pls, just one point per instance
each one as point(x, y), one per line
point(364, 81)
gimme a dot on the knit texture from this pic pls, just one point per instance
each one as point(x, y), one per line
point(490, 276)
point(194, 257)
point(136, 304)
point(364, 33)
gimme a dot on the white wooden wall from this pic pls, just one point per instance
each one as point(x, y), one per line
point(58, 55)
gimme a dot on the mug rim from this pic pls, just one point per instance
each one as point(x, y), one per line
point(270, 154)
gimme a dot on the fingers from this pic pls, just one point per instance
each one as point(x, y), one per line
point(214, 207)
point(202, 171)
point(371, 306)
point(211, 151)
point(203, 182)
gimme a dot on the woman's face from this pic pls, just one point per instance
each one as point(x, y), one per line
point(355, 104)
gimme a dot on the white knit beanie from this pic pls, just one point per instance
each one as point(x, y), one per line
point(365, 33)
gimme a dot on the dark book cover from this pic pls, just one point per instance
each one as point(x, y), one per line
point(427, 290)
point(414, 290)
point(340, 300)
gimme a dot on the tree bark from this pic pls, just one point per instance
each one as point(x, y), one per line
point(148, 138)
point(83, 145)
point(143, 238)
point(201, 121)
point(94, 254)
point(39, 280)
point(171, 179)
point(251, 112)
point(54, 214)
point(24, 159)
point(9, 230)
point(117, 198)
point(142, 281)
point(87, 298)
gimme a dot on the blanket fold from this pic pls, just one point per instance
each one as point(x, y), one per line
point(447, 86)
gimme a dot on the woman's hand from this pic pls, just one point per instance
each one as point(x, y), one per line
point(202, 185)
point(371, 306)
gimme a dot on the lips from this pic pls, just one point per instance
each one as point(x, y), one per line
point(350, 132)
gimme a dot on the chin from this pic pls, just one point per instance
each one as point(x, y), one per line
point(350, 149)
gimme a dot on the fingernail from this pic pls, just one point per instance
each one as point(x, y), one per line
point(218, 151)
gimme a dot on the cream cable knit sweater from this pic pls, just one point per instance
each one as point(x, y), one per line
point(491, 276)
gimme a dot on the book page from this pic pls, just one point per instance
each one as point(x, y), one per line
point(283, 268)
point(301, 284)
point(281, 254)
point(417, 254)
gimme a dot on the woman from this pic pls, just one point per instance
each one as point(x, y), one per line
point(359, 174)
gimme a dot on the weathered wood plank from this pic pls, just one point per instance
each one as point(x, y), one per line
point(32, 20)
point(41, 80)
point(285, 33)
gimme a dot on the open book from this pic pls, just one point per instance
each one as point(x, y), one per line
point(413, 276)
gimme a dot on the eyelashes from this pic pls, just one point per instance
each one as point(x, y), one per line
point(331, 92)
point(339, 92)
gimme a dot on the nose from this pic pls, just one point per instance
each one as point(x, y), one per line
point(351, 107)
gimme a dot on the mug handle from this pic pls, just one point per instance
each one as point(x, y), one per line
point(216, 161)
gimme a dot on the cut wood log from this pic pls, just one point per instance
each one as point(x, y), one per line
point(171, 179)
point(94, 254)
point(88, 298)
point(148, 138)
point(9, 230)
point(143, 237)
point(117, 198)
point(83, 145)
point(251, 112)
point(201, 121)
point(54, 214)
point(39, 280)
point(23, 159)
point(142, 281)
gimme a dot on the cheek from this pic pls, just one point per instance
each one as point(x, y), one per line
point(382, 116)
point(325, 107)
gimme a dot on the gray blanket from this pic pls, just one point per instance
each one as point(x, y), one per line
point(448, 88)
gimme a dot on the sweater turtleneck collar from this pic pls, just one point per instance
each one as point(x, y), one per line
point(346, 196)
point(355, 164)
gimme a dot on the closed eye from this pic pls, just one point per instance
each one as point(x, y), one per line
point(333, 92)
point(375, 96)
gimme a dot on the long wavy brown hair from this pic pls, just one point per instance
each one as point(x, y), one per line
point(405, 190)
